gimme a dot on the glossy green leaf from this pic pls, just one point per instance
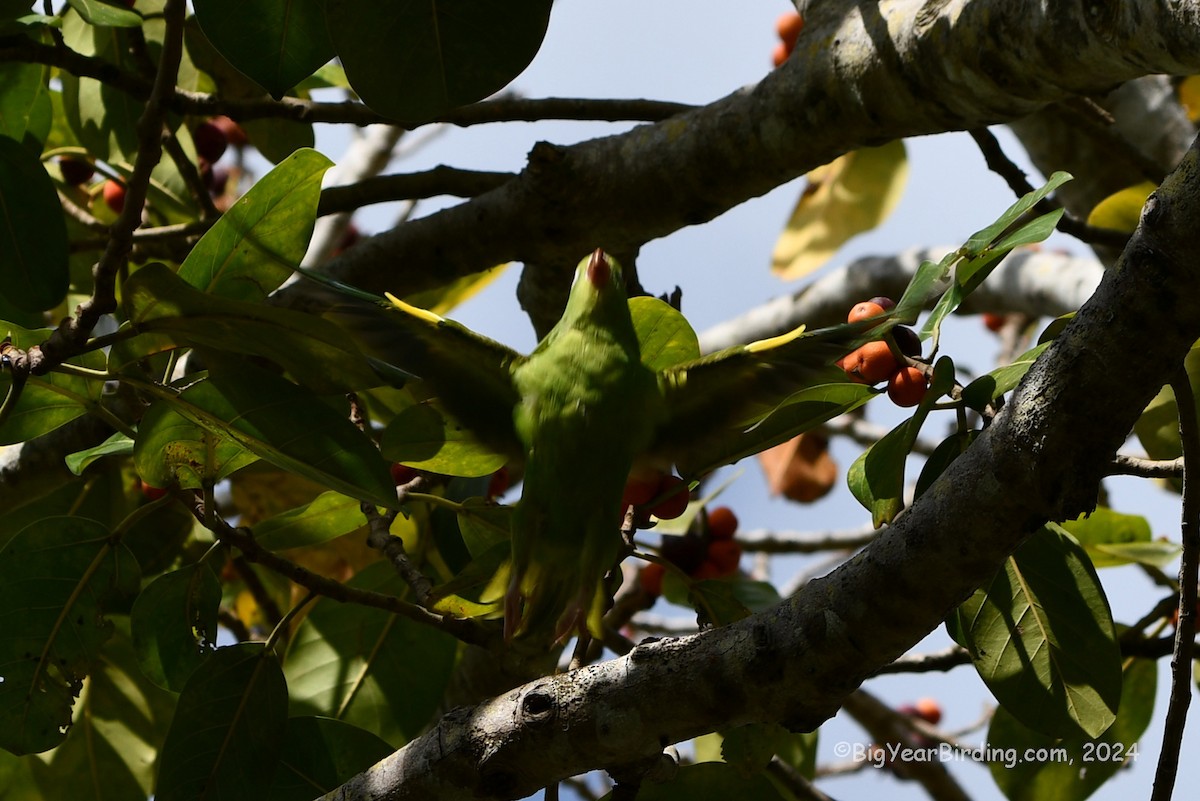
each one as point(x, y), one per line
point(321, 754)
point(923, 287)
point(103, 117)
point(257, 244)
point(1105, 527)
point(942, 457)
point(424, 437)
point(314, 351)
point(802, 411)
point(1041, 636)
point(116, 445)
point(423, 59)
point(20, 86)
point(986, 388)
point(278, 44)
point(291, 428)
point(51, 400)
point(664, 336)
point(709, 781)
point(877, 476)
point(327, 517)
point(56, 576)
point(986, 237)
point(1073, 768)
point(33, 234)
point(111, 750)
point(174, 624)
point(378, 671)
point(173, 451)
point(227, 734)
point(98, 12)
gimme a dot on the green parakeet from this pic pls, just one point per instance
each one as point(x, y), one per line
point(580, 412)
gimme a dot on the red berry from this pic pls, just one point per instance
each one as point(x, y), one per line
point(350, 237)
point(994, 322)
point(726, 555)
point(928, 710)
point(886, 303)
point(722, 523)
point(152, 493)
point(498, 483)
point(870, 364)
point(210, 141)
point(686, 552)
point(402, 473)
point(707, 570)
point(75, 171)
point(674, 493)
point(234, 133)
point(907, 340)
point(651, 578)
point(788, 27)
point(907, 387)
point(114, 195)
point(640, 491)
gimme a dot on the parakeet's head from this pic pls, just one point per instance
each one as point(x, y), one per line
point(598, 288)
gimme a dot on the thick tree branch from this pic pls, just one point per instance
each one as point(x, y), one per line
point(796, 663)
point(863, 73)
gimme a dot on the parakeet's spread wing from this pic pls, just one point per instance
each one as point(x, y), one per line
point(734, 387)
point(470, 374)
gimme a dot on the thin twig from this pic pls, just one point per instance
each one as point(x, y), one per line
point(1003, 166)
point(1123, 465)
point(1185, 631)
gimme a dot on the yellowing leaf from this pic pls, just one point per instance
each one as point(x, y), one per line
point(1122, 210)
point(1189, 96)
point(851, 194)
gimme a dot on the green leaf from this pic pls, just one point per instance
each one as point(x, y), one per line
point(278, 44)
point(228, 730)
point(423, 59)
point(110, 752)
point(56, 576)
point(710, 781)
point(1106, 527)
point(922, 287)
point(257, 244)
point(51, 400)
point(33, 233)
point(321, 754)
point(103, 117)
point(20, 86)
point(116, 445)
point(1073, 768)
point(983, 390)
point(802, 411)
point(424, 437)
point(749, 748)
point(97, 12)
point(986, 237)
point(313, 350)
point(1041, 636)
point(877, 476)
point(174, 624)
point(378, 671)
point(942, 457)
point(484, 525)
point(327, 517)
point(173, 451)
point(291, 428)
point(664, 335)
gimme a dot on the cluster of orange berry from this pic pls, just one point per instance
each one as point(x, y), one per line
point(702, 555)
point(788, 26)
point(876, 361)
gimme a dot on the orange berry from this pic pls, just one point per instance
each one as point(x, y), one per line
point(779, 54)
point(871, 363)
point(928, 710)
point(722, 523)
point(151, 492)
point(673, 504)
point(651, 578)
point(907, 387)
point(861, 311)
point(114, 195)
point(725, 555)
point(788, 26)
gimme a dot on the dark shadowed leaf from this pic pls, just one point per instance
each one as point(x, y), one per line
point(174, 624)
point(319, 754)
point(33, 234)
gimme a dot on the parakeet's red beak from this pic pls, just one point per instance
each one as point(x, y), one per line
point(599, 268)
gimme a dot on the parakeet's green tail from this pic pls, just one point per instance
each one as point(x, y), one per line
point(552, 600)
